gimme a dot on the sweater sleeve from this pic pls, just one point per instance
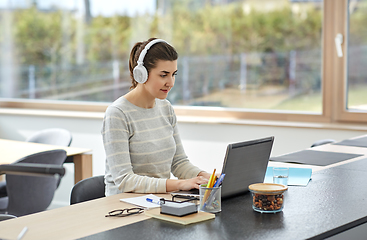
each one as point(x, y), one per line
point(116, 134)
point(181, 168)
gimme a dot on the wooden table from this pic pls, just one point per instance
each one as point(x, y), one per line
point(13, 150)
point(72, 222)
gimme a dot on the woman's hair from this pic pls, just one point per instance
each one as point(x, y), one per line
point(158, 51)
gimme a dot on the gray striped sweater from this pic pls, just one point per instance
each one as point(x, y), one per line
point(142, 148)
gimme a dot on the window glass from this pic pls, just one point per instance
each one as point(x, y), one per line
point(243, 54)
point(357, 56)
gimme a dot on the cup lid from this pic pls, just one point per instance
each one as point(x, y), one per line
point(267, 187)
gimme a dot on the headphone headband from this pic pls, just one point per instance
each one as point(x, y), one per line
point(140, 72)
point(146, 48)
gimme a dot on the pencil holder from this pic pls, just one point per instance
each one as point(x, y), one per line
point(210, 199)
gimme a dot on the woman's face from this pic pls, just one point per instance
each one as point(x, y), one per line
point(161, 79)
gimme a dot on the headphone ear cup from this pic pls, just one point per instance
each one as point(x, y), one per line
point(140, 74)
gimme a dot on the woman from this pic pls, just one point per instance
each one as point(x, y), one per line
point(139, 131)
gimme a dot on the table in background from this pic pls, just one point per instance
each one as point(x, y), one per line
point(13, 150)
point(328, 148)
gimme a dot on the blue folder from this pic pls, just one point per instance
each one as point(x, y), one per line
point(296, 177)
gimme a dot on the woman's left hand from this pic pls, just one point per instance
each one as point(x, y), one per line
point(204, 174)
point(207, 175)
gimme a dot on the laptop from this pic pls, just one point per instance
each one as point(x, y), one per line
point(245, 163)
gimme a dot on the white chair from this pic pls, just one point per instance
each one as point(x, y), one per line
point(53, 136)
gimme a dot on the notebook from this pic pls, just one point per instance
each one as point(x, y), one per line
point(245, 163)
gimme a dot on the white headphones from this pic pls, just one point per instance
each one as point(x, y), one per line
point(140, 72)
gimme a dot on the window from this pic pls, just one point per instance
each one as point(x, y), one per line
point(349, 79)
point(357, 57)
point(242, 55)
point(271, 59)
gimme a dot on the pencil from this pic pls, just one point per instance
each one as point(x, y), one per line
point(209, 185)
point(213, 181)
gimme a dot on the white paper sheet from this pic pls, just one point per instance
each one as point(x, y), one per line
point(142, 201)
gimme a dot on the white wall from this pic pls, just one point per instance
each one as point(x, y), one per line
point(204, 143)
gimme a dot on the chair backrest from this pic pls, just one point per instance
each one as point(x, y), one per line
point(88, 189)
point(53, 136)
point(31, 194)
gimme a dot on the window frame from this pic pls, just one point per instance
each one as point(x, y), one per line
point(334, 80)
point(341, 64)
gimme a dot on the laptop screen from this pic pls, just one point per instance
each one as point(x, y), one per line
point(245, 163)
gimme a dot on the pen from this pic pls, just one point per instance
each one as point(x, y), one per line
point(152, 201)
point(220, 180)
point(21, 234)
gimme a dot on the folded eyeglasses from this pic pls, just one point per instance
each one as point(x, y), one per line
point(124, 212)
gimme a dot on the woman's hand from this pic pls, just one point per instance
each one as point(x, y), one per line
point(192, 183)
point(185, 184)
point(205, 175)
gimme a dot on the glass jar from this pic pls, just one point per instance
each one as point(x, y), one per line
point(267, 197)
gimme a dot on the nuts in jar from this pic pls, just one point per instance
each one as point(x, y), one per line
point(267, 197)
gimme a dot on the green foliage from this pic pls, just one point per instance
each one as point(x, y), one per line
point(221, 30)
point(108, 38)
point(357, 25)
point(37, 36)
point(52, 37)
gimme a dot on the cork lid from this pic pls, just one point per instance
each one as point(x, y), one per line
point(268, 187)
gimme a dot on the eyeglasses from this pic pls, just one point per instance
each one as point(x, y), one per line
point(188, 198)
point(124, 212)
